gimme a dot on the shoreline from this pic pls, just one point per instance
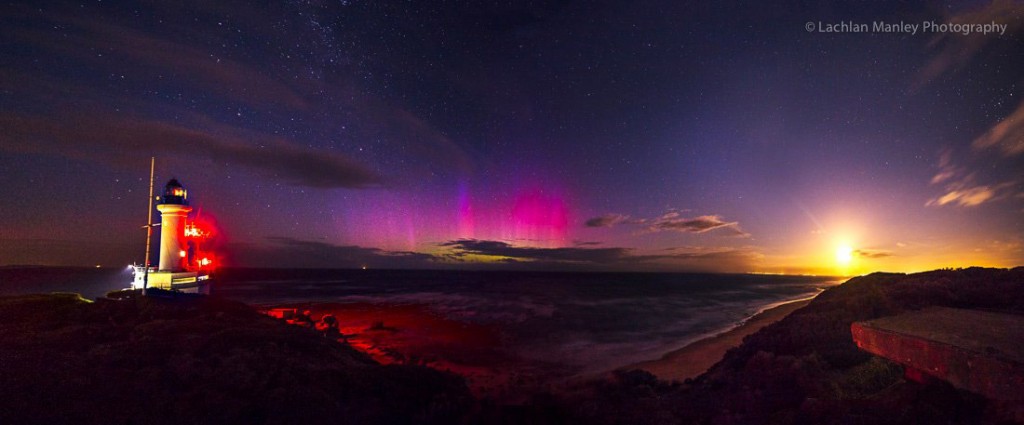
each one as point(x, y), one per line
point(699, 356)
point(413, 334)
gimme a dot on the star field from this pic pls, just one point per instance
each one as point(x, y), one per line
point(541, 135)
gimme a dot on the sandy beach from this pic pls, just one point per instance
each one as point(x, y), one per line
point(696, 358)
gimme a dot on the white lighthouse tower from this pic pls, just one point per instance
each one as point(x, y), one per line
point(174, 211)
point(180, 268)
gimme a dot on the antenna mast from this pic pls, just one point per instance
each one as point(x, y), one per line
point(149, 223)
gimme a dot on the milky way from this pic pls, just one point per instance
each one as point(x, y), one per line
point(604, 136)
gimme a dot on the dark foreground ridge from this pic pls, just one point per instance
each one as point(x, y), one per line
point(64, 360)
point(201, 360)
point(807, 369)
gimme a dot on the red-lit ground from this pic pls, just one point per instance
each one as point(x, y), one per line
point(412, 334)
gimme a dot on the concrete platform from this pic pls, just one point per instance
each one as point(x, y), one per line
point(978, 351)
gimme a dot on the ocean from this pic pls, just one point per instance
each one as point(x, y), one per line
point(588, 322)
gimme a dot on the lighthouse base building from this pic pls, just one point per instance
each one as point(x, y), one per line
point(188, 282)
point(183, 267)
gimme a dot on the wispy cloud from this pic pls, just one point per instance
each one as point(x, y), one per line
point(961, 187)
point(607, 220)
point(678, 258)
point(163, 66)
point(705, 223)
point(968, 197)
point(117, 139)
point(872, 253)
point(290, 252)
point(953, 50)
point(464, 247)
point(672, 220)
point(1007, 136)
point(104, 45)
point(973, 180)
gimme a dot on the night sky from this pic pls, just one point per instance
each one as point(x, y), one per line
point(642, 136)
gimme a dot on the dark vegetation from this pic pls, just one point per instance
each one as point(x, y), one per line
point(200, 360)
point(63, 360)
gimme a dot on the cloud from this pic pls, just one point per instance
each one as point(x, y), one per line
point(947, 170)
point(701, 224)
point(463, 247)
point(117, 140)
point(403, 125)
point(162, 77)
point(961, 186)
point(123, 47)
point(964, 192)
point(954, 50)
point(969, 197)
point(290, 252)
point(607, 220)
point(673, 221)
point(976, 182)
point(680, 258)
point(872, 253)
point(1007, 136)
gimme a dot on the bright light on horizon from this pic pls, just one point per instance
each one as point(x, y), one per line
point(844, 255)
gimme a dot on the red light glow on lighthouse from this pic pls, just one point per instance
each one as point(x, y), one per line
point(196, 233)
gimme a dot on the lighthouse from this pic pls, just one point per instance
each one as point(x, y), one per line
point(174, 211)
point(182, 266)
